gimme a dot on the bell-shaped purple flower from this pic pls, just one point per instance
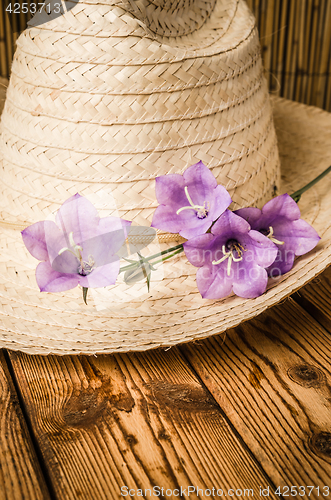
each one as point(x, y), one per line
point(79, 249)
point(189, 203)
point(280, 221)
point(231, 258)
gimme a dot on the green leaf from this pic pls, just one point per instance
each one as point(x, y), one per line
point(85, 294)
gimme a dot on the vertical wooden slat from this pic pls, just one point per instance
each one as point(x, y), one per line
point(300, 53)
point(316, 60)
point(327, 103)
point(20, 474)
point(312, 52)
point(3, 52)
point(325, 54)
point(280, 65)
point(288, 76)
point(277, 28)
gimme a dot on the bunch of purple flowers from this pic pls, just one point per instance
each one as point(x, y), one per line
point(234, 251)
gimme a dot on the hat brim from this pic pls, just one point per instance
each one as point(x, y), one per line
point(122, 318)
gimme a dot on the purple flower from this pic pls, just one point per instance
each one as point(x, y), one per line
point(231, 258)
point(280, 221)
point(189, 203)
point(78, 250)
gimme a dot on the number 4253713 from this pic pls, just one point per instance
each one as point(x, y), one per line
point(32, 8)
point(293, 491)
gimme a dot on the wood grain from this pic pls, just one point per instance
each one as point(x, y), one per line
point(272, 378)
point(315, 298)
point(20, 474)
point(139, 420)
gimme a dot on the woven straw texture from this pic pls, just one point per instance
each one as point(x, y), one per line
point(295, 38)
point(101, 101)
point(100, 104)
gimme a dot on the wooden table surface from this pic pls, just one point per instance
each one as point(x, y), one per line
point(239, 412)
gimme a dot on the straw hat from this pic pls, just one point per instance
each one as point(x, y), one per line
point(107, 97)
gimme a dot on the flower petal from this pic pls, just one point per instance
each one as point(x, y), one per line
point(219, 203)
point(281, 206)
point(112, 233)
point(231, 225)
point(34, 238)
point(283, 262)
point(169, 189)
point(298, 235)
point(101, 276)
point(251, 215)
point(200, 183)
point(165, 218)
point(65, 263)
point(77, 215)
point(265, 251)
point(252, 283)
point(213, 282)
point(49, 280)
point(197, 250)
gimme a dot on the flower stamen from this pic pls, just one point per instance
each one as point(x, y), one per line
point(272, 238)
point(201, 210)
point(85, 267)
point(234, 247)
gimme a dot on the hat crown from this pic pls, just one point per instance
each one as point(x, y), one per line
point(98, 105)
point(170, 18)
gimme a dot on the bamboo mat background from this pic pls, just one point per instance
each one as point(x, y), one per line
point(295, 38)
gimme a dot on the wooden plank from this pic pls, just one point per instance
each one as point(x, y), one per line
point(315, 298)
point(20, 473)
point(139, 420)
point(272, 378)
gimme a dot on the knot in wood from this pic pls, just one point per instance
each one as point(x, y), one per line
point(320, 443)
point(306, 375)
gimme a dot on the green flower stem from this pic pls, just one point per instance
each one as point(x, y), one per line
point(297, 195)
point(169, 256)
point(164, 252)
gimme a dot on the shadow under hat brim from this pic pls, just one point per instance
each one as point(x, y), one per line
point(173, 312)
